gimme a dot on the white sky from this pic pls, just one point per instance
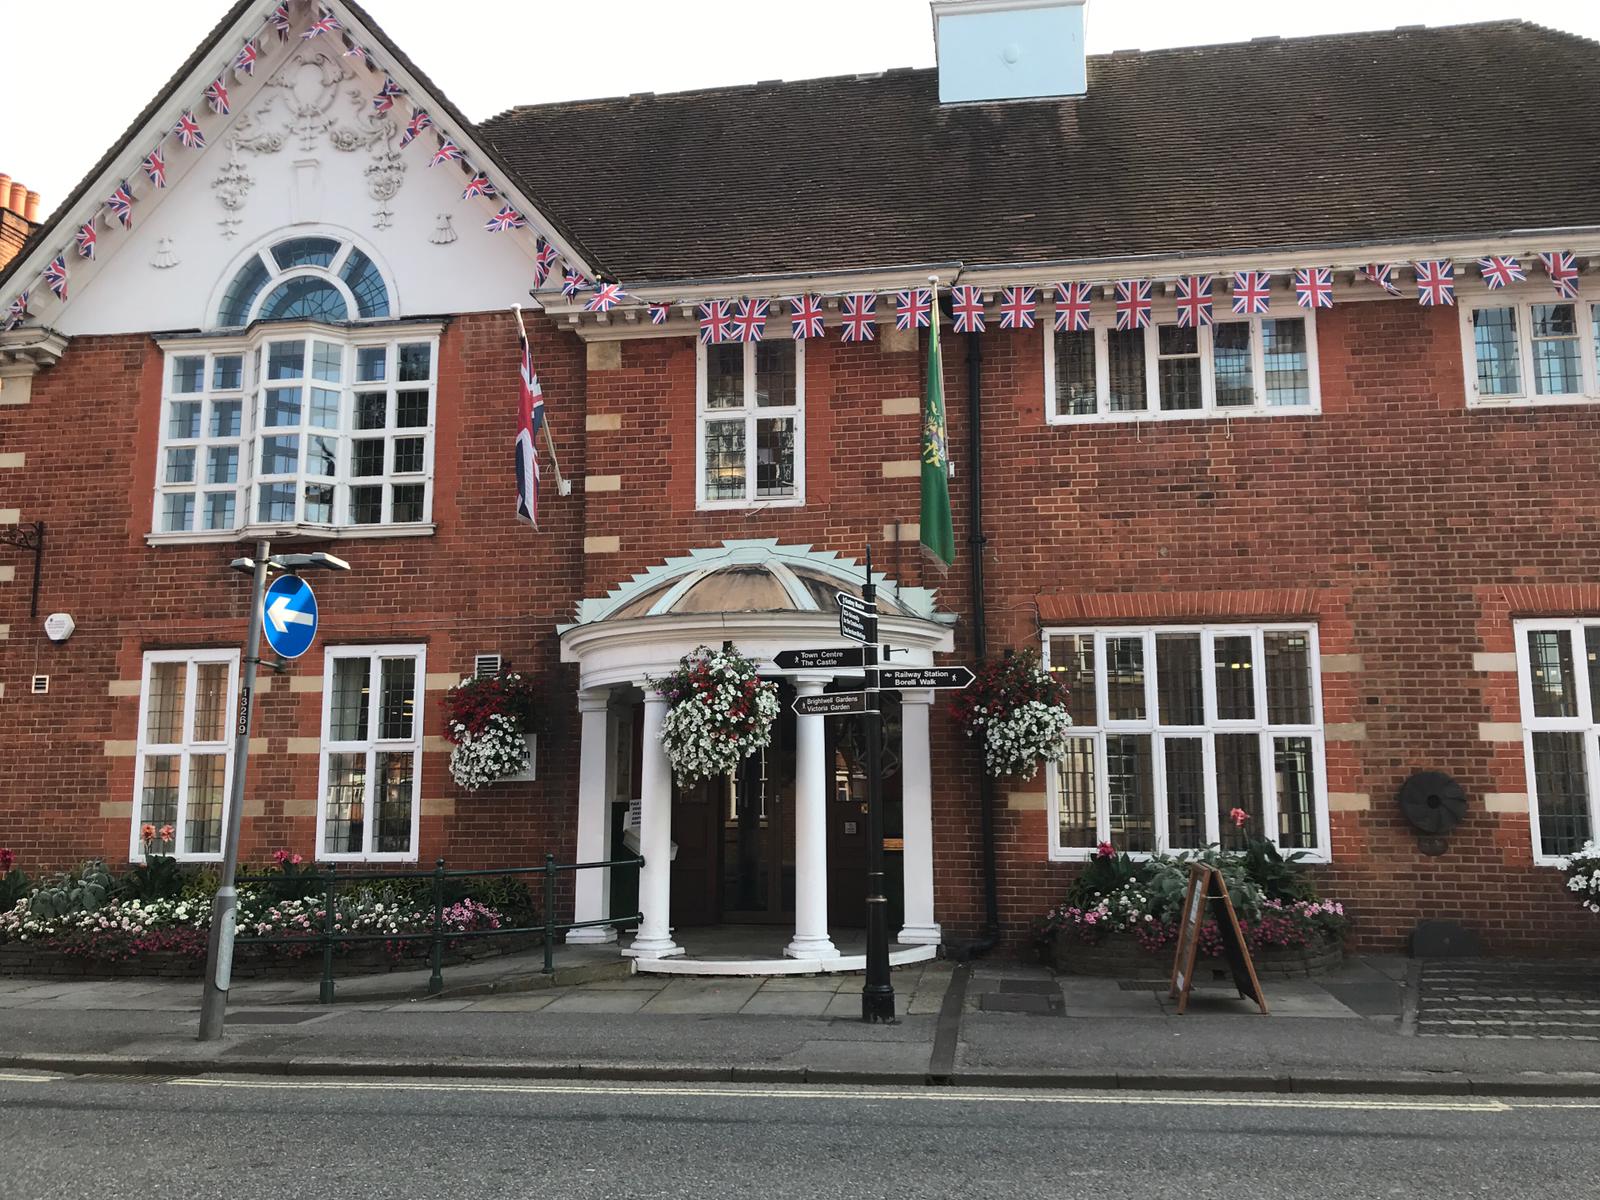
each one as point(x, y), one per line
point(488, 55)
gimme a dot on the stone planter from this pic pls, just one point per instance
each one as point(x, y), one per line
point(1121, 957)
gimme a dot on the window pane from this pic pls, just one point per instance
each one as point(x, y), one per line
point(775, 374)
point(1072, 661)
point(242, 292)
point(227, 372)
point(1293, 768)
point(1557, 370)
point(180, 465)
point(416, 362)
point(394, 791)
point(1238, 786)
point(280, 455)
point(1230, 358)
point(286, 360)
point(324, 408)
point(1494, 339)
point(398, 697)
point(276, 502)
point(372, 410)
point(1178, 367)
point(408, 455)
point(222, 464)
point(319, 503)
point(1236, 686)
point(725, 376)
point(211, 702)
point(327, 362)
point(305, 297)
point(775, 458)
point(1550, 673)
point(305, 252)
point(183, 419)
point(1179, 690)
point(322, 456)
point(1591, 649)
point(345, 803)
point(225, 416)
point(158, 791)
point(347, 715)
point(362, 277)
point(371, 362)
point(283, 406)
point(163, 725)
point(406, 505)
point(366, 457)
point(203, 822)
point(1130, 792)
point(1125, 357)
point(1075, 773)
point(411, 410)
point(1125, 678)
point(1288, 367)
point(1075, 381)
point(366, 505)
point(1288, 655)
point(724, 459)
point(1186, 793)
point(219, 510)
point(189, 373)
point(1561, 780)
point(177, 512)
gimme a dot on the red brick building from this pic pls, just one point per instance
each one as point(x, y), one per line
point(1285, 558)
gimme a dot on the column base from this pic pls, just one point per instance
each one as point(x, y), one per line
point(652, 948)
point(811, 947)
point(599, 935)
point(920, 935)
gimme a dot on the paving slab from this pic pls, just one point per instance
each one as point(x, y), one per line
point(599, 1000)
point(700, 996)
point(787, 1003)
point(523, 1002)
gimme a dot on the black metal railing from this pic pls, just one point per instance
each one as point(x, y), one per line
point(327, 880)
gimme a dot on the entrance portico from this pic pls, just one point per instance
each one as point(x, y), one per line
point(765, 598)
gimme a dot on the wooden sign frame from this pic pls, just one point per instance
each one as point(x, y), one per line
point(1208, 889)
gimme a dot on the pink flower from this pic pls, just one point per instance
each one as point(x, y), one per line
point(280, 857)
point(7, 860)
point(167, 832)
point(147, 832)
point(1105, 850)
point(295, 859)
point(1238, 816)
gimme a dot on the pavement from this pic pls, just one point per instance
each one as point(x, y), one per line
point(1377, 1025)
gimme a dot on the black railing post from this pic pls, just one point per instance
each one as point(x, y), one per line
point(327, 934)
point(549, 914)
point(436, 980)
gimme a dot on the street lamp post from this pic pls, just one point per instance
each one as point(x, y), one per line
point(224, 908)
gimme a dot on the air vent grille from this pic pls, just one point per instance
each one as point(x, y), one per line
point(41, 685)
point(486, 666)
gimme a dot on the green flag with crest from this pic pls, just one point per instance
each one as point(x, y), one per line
point(938, 537)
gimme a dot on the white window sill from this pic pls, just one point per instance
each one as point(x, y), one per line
point(284, 533)
point(1312, 857)
point(748, 505)
point(366, 858)
point(1186, 414)
point(1504, 402)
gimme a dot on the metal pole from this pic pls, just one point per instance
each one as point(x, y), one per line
point(219, 950)
point(877, 994)
point(436, 956)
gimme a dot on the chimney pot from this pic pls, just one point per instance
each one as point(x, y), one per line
point(5, 190)
point(19, 198)
point(32, 215)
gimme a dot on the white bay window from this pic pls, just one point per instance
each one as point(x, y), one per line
point(1530, 350)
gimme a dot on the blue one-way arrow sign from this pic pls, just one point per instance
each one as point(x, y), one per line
point(290, 616)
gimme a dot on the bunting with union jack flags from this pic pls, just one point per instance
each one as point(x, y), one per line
point(217, 97)
point(1562, 267)
point(479, 185)
point(120, 202)
point(714, 322)
point(1436, 282)
point(858, 318)
point(385, 98)
point(17, 313)
point(55, 276)
point(506, 218)
point(448, 151)
point(326, 22)
point(1194, 301)
point(244, 62)
point(188, 132)
point(1313, 287)
point(1133, 304)
point(1252, 292)
point(1074, 307)
point(544, 261)
point(1017, 306)
point(805, 317)
point(966, 308)
point(750, 320)
point(659, 313)
point(156, 167)
point(420, 120)
point(1381, 274)
point(606, 297)
point(572, 282)
point(1500, 270)
point(279, 17)
point(86, 239)
point(913, 308)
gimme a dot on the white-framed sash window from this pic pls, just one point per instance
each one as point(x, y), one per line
point(1176, 727)
point(183, 762)
point(1558, 677)
point(750, 424)
point(367, 792)
point(1526, 350)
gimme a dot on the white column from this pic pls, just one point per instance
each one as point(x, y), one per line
point(655, 839)
point(916, 776)
point(810, 837)
point(592, 889)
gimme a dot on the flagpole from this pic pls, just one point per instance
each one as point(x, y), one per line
point(563, 484)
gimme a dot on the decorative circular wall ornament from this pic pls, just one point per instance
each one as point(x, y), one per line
point(58, 627)
point(1433, 802)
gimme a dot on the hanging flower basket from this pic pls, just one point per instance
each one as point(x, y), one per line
point(488, 720)
point(1583, 875)
point(1020, 711)
point(720, 713)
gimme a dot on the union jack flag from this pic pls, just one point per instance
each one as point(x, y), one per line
point(448, 151)
point(544, 261)
point(479, 185)
point(280, 20)
point(156, 167)
point(606, 297)
point(1562, 267)
point(714, 322)
point(1313, 287)
point(120, 202)
point(966, 307)
point(805, 317)
point(1017, 307)
point(420, 120)
point(326, 22)
point(1436, 282)
point(1074, 307)
point(572, 282)
point(1381, 274)
point(506, 218)
point(1194, 301)
point(1252, 292)
point(1133, 303)
point(356, 50)
point(1500, 269)
point(750, 321)
point(18, 312)
point(858, 317)
point(55, 274)
point(190, 135)
point(659, 313)
point(217, 97)
point(244, 62)
point(913, 308)
point(530, 419)
point(385, 98)
point(86, 239)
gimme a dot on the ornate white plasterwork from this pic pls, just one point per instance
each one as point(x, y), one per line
point(165, 257)
point(445, 232)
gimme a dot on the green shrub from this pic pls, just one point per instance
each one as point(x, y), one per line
point(158, 878)
point(83, 890)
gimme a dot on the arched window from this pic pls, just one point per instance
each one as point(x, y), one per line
point(312, 278)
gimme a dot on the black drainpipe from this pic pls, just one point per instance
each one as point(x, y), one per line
point(980, 636)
